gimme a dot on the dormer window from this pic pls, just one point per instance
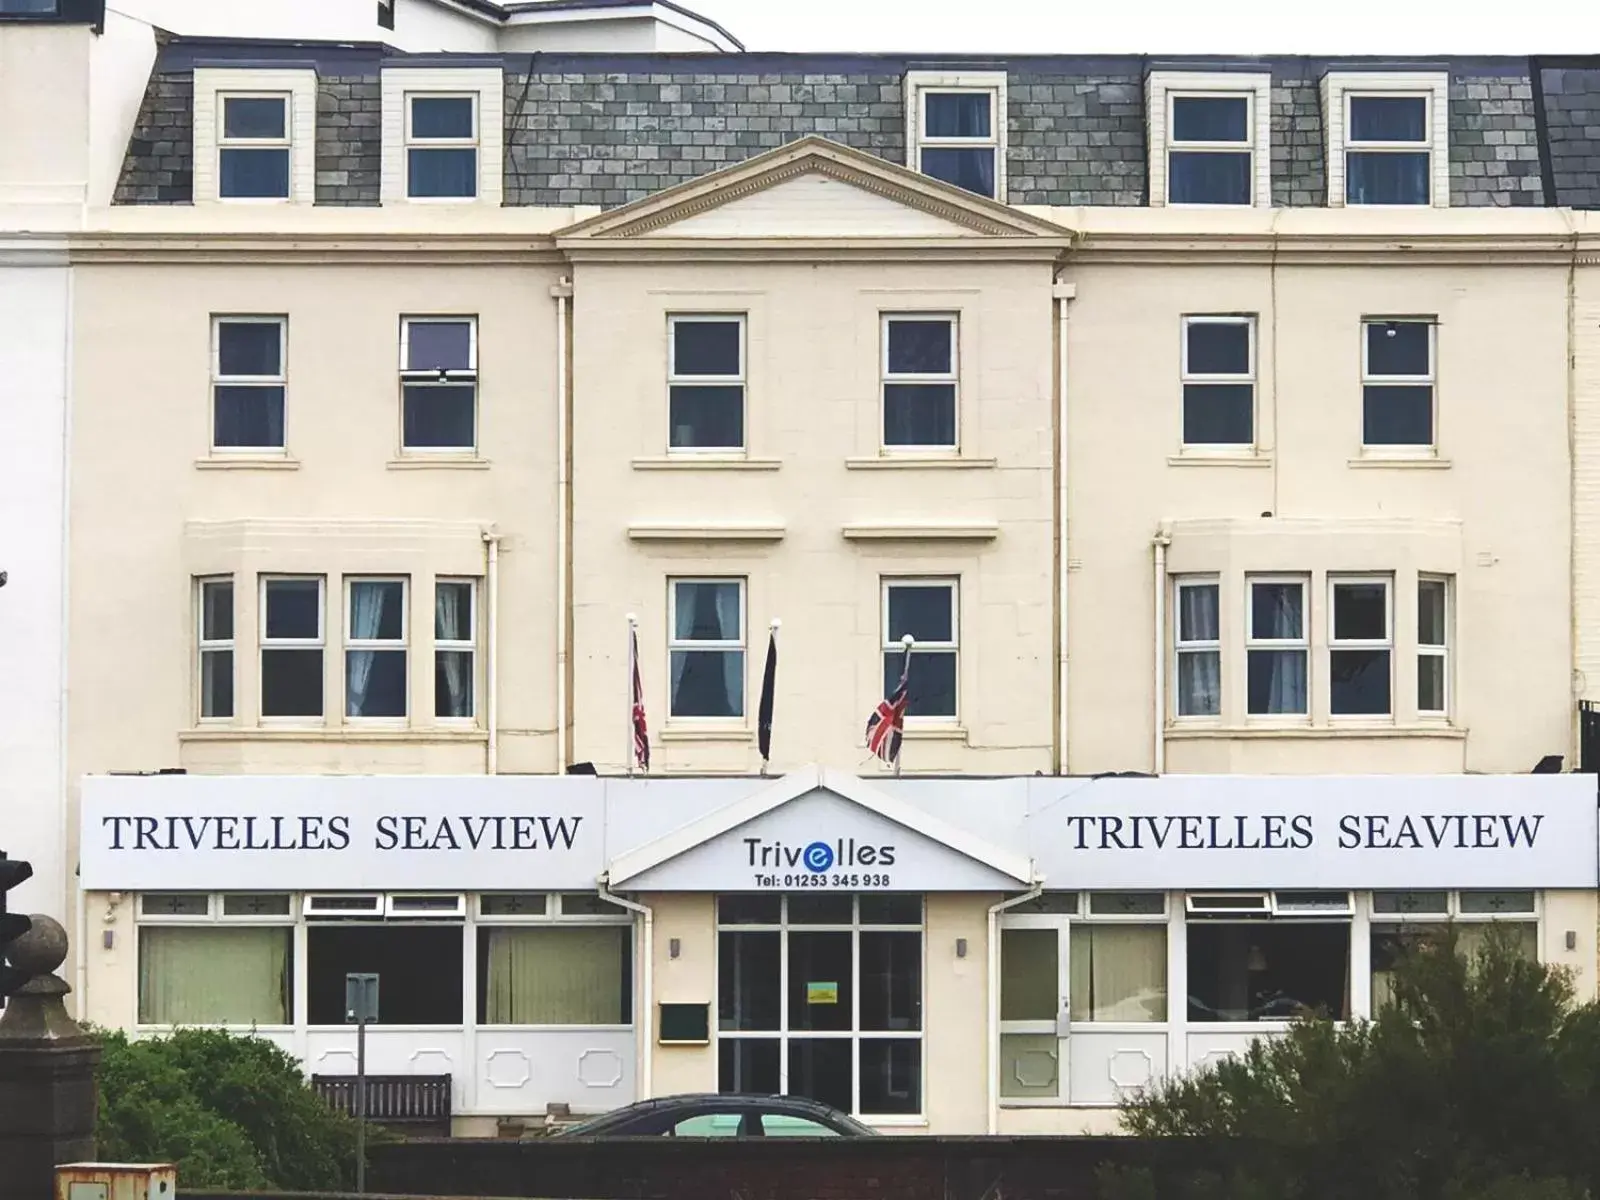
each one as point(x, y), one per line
point(956, 128)
point(1388, 139)
point(443, 135)
point(255, 135)
point(253, 147)
point(1210, 138)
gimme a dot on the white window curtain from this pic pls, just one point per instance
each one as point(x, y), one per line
point(366, 616)
point(452, 619)
point(1119, 973)
point(1278, 614)
point(1389, 945)
point(572, 976)
point(228, 976)
point(1199, 671)
point(708, 682)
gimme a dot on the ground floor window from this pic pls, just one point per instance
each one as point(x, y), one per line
point(1404, 922)
point(555, 975)
point(1268, 972)
point(216, 976)
point(820, 995)
point(418, 968)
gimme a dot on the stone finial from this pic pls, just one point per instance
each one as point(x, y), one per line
point(41, 950)
point(35, 1010)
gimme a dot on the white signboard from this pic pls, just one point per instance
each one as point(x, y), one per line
point(1361, 832)
point(821, 842)
point(309, 833)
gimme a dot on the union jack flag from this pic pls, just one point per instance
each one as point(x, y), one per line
point(888, 720)
point(641, 732)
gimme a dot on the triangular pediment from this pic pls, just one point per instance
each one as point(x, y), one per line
point(818, 829)
point(813, 188)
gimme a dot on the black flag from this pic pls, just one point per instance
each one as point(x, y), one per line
point(769, 679)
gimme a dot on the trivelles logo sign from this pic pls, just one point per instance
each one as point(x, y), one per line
point(843, 863)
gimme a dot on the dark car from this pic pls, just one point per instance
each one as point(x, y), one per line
point(721, 1116)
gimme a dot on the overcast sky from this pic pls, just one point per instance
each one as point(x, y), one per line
point(1408, 27)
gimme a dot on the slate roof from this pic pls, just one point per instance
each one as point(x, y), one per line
point(604, 130)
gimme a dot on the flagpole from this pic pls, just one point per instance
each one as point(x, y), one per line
point(633, 642)
point(905, 670)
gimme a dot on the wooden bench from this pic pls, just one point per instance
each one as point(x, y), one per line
point(411, 1103)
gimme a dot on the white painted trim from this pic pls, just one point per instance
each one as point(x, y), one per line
point(300, 86)
point(487, 84)
point(1161, 85)
point(794, 785)
point(1338, 85)
point(917, 82)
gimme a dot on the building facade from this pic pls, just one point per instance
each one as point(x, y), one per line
point(1217, 423)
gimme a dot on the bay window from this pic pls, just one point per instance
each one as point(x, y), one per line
point(1277, 649)
point(1405, 922)
point(1268, 957)
point(215, 960)
point(564, 963)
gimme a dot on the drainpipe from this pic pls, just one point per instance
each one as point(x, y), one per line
point(562, 293)
point(1158, 746)
point(645, 1020)
point(992, 1000)
point(1064, 294)
point(491, 682)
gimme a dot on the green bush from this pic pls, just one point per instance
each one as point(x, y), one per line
point(230, 1111)
point(1480, 1082)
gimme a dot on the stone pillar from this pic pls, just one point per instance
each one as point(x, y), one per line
point(48, 1100)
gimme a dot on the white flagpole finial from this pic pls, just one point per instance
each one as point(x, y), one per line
point(633, 618)
point(777, 622)
point(908, 641)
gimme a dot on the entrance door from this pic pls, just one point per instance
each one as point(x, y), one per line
point(1035, 1009)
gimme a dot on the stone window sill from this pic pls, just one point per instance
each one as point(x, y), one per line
point(706, 462)
point(940, 731)
point(1220, 458)
point(1186, 732)
point(443, 462)
point(711, 733)
point(1400, 462)
point(319, 733)
point(919, 462)
point(247, 462)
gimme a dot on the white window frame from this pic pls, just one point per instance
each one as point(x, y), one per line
point(740, 644)
point(1302, 643)
point(216, 915)
point(1434, 86)
point(1180, 583)
point(1162, 87)
point(218, 379)
point(419, 906)
point(455, 376)
point(486, 85)
point(299, 86)
point(1386, 643)
point(783, 1035)
point(741, 380)
point(469, 646)
point(919, 83)
point(1440, 650)
point(1453, 910)
point(320, 642)
point(1187, 377)
point(951, 377)
point(351, 643)
point(284, 143)
point(205, 645)
point(1430, 381)
point(952, 583)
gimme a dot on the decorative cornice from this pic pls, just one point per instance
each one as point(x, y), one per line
point(378, 248)
point(921, 531)
point(1353, 249)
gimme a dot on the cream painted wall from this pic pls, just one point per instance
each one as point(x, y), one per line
point(1502, 478)
point(955, 1016)
point(1585, 402)
point(813, 370)
point(691, 978)
point(46, 159)
point(152, 509)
